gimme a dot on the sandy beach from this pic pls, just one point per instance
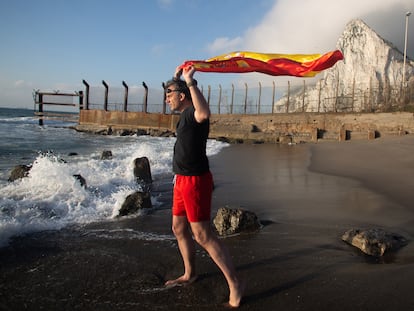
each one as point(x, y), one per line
point(306, 195)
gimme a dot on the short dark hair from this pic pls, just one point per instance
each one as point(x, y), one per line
point(180, 84)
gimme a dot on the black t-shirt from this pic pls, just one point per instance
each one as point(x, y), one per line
point(190, 157)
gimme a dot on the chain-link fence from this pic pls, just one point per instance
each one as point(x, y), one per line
point(258, 99)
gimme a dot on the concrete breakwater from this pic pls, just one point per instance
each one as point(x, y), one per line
point(266, 128)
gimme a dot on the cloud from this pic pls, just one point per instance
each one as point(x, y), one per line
point(314, 26)
point(226, 44)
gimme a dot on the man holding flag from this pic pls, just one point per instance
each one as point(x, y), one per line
point(193, 185)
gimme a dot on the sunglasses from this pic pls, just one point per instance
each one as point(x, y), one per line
point(167, 91)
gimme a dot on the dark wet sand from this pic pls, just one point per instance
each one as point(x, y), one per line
point(306, 195)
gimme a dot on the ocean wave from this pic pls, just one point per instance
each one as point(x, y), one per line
point(50, 198)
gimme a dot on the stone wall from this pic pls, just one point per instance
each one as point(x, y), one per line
point(292, 127)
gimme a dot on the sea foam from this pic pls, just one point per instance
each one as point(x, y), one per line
point(50, 197)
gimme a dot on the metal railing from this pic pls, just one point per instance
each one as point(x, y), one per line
point(258, 99)
point(247, 99)
point(66, 105)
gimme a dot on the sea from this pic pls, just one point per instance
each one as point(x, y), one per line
point(50, 198)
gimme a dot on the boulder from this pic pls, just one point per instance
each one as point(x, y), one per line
point(106, 155)
point(142, 172)
point(160, 133)
point(81, 180)
point(231, 221)
point(134, 202)
point(374, 242)
point(19, 171)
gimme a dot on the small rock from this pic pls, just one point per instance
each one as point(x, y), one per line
point(374, 242)
point(81, 180)
point(106, 155)
point(134, 202)
point(231, 221)
point(142, 170)
point(19, 171)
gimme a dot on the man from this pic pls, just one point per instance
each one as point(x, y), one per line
point(194, 184)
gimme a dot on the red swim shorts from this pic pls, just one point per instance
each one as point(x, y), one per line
point(192, 197)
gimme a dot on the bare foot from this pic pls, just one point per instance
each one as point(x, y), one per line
point(236, 295)
point(182, 280)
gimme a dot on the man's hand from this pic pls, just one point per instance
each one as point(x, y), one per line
point(178, 72)
point(188, 73)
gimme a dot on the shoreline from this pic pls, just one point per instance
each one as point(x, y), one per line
point(306, 194)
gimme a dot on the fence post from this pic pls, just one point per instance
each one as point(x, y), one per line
point(164, 104)
point(303, 98)
point(146, 98)
point(40, 109)
point(208, 95)
point(125, 96)
point(273, 97)
point(106, 95)
point(260, 96)
point(319, 96)
point(232, 98)
point(87, 94)
point(336, 93)
point(80, 100)
point(219, 101)
point(245, 99)
point(288, 98)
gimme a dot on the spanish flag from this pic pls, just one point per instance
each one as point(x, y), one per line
point(298, 65)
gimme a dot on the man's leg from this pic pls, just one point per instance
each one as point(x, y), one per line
point(186, 245)
point(204, 236)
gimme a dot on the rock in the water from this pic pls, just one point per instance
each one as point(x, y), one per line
point(142, 170)
point(374, 242)
point(19, 171)
point(81, 180)
point(134, 202)
point(106, 155)
point(231, 221)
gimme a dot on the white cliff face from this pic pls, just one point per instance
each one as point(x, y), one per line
point(369, 77)
point(367, 54)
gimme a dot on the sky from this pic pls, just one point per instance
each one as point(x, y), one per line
point(55, 44)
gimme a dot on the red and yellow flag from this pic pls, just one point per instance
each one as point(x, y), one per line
point(298, 65)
